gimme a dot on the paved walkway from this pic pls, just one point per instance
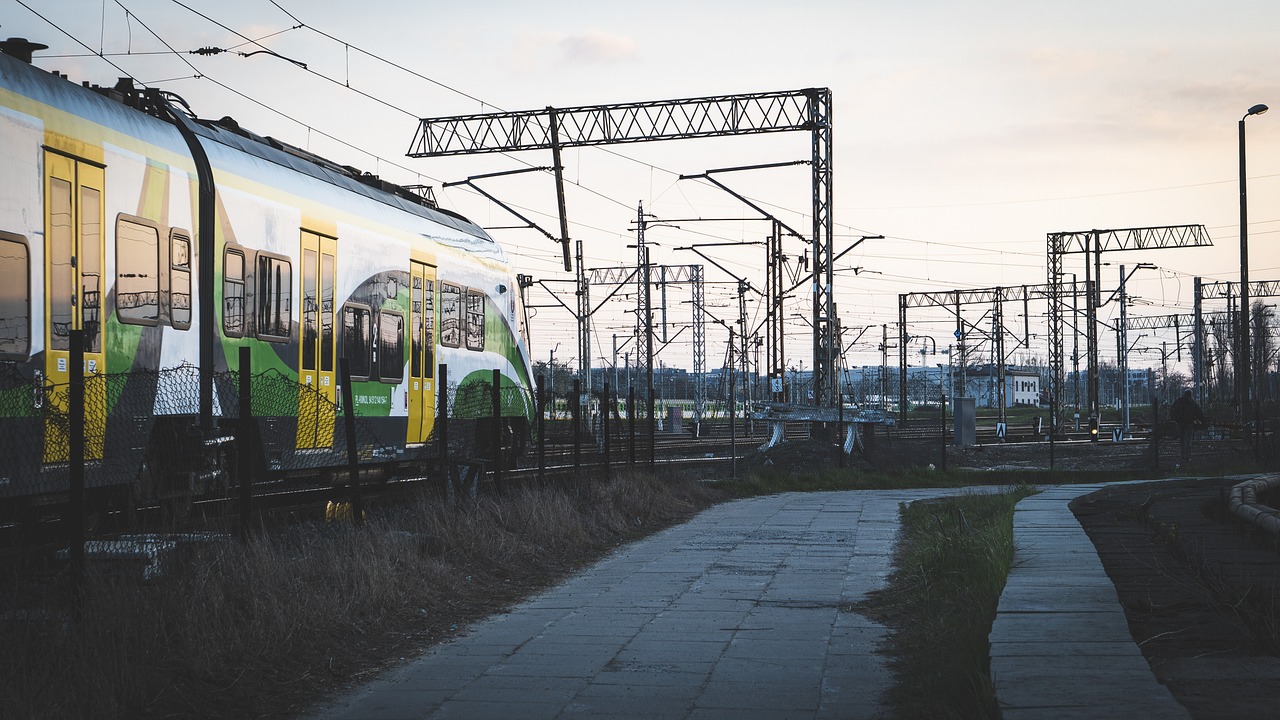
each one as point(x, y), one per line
point(743, 613)
point(1060, 644)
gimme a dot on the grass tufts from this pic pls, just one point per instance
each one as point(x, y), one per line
point(246, 629)
point(950, 568)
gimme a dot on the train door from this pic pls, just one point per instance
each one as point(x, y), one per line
point(73, 296)
point(422, 352)
point(318, 388)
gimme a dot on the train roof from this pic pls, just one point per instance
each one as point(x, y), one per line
point(125, 103)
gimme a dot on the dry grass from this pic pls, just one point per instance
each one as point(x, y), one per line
point(259, 629)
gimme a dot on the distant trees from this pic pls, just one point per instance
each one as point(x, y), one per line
point(1261, 326)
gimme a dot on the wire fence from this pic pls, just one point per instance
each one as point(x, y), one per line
point(143, 439)
point(143, 442)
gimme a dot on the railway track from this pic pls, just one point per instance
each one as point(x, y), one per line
point(42, 531)
point(283, 502)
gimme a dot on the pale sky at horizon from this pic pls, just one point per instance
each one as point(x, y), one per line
point(964, 132)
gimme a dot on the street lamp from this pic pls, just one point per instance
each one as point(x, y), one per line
point(1244, 378)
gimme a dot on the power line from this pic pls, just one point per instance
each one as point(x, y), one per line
point(1062, 198)
point(433, 81)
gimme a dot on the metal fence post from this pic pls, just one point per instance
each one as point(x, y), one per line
point(353, 453)
point(442, 434)
point(244, 444)
point(498, 430)
point(653, 433)
point(1155, 433)
point(733, 419)
point(840, 429)
point(942, 405)
point(542, 432)
point(75, 465)
point(605, 426)
point(631, 425)
point(1257, 427)
point(577, 426)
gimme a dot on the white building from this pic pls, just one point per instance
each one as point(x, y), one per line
point(926, 384)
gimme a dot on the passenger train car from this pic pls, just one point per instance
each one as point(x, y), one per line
point(170, 243)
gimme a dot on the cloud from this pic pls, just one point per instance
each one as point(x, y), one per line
point(597, 47)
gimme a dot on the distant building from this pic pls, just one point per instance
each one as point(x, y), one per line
point(926, 384)
point(1021, 387)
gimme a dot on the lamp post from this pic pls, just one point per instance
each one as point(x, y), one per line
point(1244, 378)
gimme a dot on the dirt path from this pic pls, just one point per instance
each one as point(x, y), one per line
point(1198, 593)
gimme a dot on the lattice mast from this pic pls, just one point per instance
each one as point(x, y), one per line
point(644, 305)
point(774, 324)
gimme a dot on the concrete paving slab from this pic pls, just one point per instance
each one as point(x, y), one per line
point(780, 695)
point(1060, 643)
point(1051, 649)
point(743, 613)
point(496, 710)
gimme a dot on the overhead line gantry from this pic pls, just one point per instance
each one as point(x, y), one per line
point(952, 301)
point(715, 116)
point(1092, 243)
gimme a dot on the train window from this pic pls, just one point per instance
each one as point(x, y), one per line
point(475, 320)
point(390, 346)
point(429, 328)
point(423, 326)
point(450, 315)
point(15, 297)
point(62, 291)
point(326, 312)
point(356, 345)
point(310, 310)
point(91, 268)
point(417, 342)
point(137, 276)
point(233, 293)
point(180, 279)
point(274, 298)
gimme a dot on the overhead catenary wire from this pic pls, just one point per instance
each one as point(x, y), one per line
point(301, 24)
point(1000, 257)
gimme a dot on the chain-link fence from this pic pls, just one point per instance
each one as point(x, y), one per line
point(143, 439)
point(594, 431)
point(35, 429)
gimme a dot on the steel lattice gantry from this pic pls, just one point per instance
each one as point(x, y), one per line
point(668, 274)
point(1229, 291)
point(1092, 243)
point(952, 301)
point(1226, 290)
point(1198, 321)
point(745, 114)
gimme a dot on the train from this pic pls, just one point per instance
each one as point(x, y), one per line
point(165, 243)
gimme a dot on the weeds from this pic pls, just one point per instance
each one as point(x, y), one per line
point(768, 480)
point(262, 628)
point(951, 565)
point(247, 629)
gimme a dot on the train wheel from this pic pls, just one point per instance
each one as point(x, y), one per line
point(95, 515)
point(129, 516)
point(176, 511)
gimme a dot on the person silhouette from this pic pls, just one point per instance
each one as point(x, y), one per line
point(1188, 415)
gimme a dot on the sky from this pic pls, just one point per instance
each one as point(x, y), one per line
point(963, 132)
